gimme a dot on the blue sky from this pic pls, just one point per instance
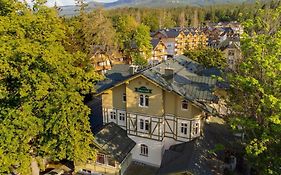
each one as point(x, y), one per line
point(69, 2)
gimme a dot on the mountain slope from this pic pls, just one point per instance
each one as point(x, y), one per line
point(168, 3)
point(72, 10)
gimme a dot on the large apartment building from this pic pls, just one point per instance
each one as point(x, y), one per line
point(177, 40)
point(232, 52)
point(173, 39)
point(195, 39)
point(158, 107)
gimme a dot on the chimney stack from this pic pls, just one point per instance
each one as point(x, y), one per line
point(169, 73)
point(133, 69)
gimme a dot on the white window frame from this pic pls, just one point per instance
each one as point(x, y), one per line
point(184, 127)
point(122, 116)
point(144, 150)
point(143, 100)
point(182, 103)
point(196, 128)
point(141, 124)
point(112, 115)
point(144, 125)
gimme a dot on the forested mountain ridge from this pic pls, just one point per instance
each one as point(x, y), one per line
point(167, 3)
point(71, 10)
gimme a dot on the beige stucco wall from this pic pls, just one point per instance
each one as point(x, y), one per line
point(155, 98)
point(107, 99)
point(117, 97)
point(173, 106)
point(114, 98)
point(192, 111)
point(160, 101)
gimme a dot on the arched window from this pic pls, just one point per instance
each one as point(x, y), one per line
point(141, 100)
point(146, 100)
point(184, 105)
point(144, 150)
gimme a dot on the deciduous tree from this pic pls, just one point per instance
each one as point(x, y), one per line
point(255, 94)
point(209, 57)
point(42, 113)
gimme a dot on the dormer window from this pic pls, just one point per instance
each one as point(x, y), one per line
point(184, 105)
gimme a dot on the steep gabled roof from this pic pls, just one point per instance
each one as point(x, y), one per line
point(190, 80)
point(229, 43)
point(117, 74)
point(114, 140)
point(168, 33)
point(186, 82)
point(154, 42)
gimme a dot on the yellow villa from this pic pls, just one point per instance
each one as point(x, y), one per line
point(157, 107)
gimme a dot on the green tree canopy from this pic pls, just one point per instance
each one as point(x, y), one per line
point(209, 57)
point(255, 94)
point(143, 40)
point(125, 26)
point(92, 32)
point(42, 113)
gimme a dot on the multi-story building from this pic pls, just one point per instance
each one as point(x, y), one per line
point(195, 38)
point(232, 52)
point(159, 51)
point(157, 107)
point(101, 62)
point(174, 40)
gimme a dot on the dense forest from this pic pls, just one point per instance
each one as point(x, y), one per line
point(110, 31)
point(45, 75)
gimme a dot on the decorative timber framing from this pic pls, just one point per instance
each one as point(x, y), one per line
point(159, 127)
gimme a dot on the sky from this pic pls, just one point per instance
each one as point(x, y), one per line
point(69, 2)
